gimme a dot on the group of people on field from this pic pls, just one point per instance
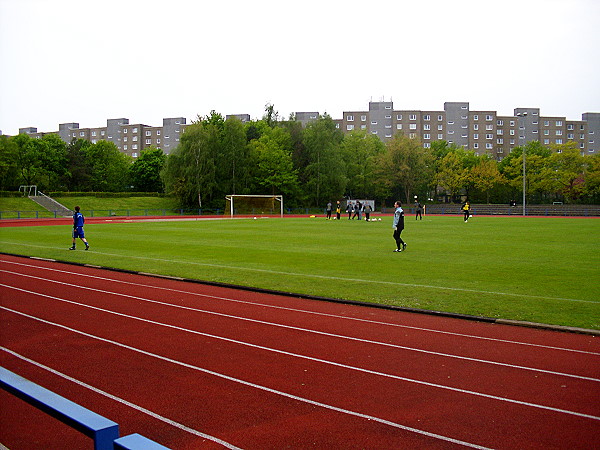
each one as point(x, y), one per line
point(354, 210)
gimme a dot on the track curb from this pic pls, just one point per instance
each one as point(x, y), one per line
point(520, 323)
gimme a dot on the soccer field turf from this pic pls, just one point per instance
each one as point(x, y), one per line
point(523, 268)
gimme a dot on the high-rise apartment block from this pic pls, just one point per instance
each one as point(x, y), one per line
point(480, 131)
point(484, 132)
point(130, 139)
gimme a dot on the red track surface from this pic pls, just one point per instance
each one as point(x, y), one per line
point(196, 366)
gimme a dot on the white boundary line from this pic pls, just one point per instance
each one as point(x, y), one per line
point(257, 386)
point(122, 401)
point(273, 324)
point(296, 355)
point(323, 277)
point(192, 293)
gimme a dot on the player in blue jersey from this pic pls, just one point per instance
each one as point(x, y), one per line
point(78, 221)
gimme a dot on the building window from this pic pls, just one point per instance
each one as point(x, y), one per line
point(158, 140)
point(412, 117)
point(413, 126)
point(363, 118)
point(134, 130)
point(134, 155)
point(148, 141)
point(135, 139)
point(93, 133)
point(148, 133)
point(398, 116)
point(489, 136)
point(440, 118)
point(426, 136)
point(158, 132)
point(125, 130)
point(488, 117)
point(559, 123)
point(350, 118)
point(427, 127)
point(546, 123)
point(349, 127)
point(500, 123)
point(476, 136)
point(440, 137)
point(398, 126)
point(426, 117)
point(388, 116)
point(559, 132)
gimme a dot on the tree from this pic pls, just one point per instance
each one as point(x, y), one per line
point(190, 171)
point(323, 174)
point(9, 169)
point(274, 160)
point(360, 151)
point(404, 167)
point(108, 167)
point(145, 171)
point(564, 173)
point(79, 171)
point(237, 172)
point(486, 176)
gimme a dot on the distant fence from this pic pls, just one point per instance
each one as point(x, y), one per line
point(31, 214)
point(103, 432)
point(506, 210)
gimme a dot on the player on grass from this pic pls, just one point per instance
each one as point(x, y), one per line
point(398, 226)
point(78, 221)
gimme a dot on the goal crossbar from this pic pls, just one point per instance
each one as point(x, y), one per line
point(231, 200)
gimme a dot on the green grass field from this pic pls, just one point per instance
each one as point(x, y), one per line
point(535, 269)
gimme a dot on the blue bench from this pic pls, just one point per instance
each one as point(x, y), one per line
point(104, 432)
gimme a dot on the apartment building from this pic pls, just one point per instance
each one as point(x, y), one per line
point(130, 139)
point(484, 132)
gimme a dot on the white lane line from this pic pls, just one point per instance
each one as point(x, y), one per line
point(304, 330)
point(309, 358)
point(324, 277)
point(123, 401)
point(253, 385)
point(305, 311)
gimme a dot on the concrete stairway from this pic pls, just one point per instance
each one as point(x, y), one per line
point(51, 205)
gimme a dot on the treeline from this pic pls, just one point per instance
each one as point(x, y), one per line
point(309, 165)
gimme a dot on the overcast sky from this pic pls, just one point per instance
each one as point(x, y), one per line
point(86, 61)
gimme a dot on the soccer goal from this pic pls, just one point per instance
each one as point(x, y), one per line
point(240, 205)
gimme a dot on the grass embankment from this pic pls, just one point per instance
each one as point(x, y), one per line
point(23, 207)
point(535, 269)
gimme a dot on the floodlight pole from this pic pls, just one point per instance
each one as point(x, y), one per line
point(522, 116)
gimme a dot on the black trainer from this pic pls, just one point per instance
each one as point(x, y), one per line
point(404, 246)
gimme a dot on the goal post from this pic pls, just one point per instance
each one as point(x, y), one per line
point(239, 205)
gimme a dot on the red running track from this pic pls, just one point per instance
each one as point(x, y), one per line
point(195, 366)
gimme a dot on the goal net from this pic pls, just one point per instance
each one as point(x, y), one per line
point(241, 205)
